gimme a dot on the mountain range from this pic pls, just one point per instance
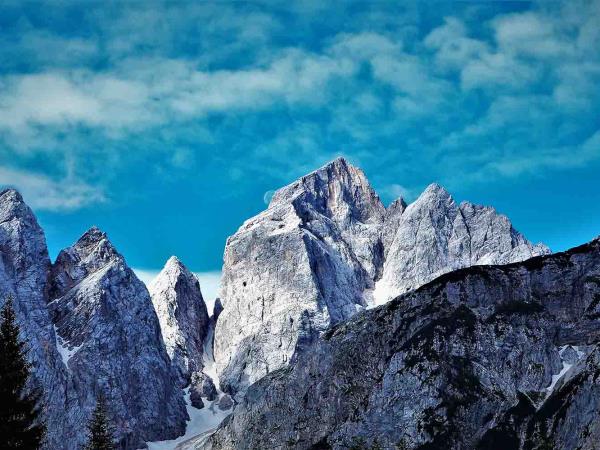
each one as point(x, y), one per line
point(341, 324)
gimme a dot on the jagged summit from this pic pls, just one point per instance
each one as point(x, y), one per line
point(435, 188)
point(11, 193)
point(105, 318)
point(13, 206)
point(24, 267)
point(326, 248)
point(92, 252)
point(91, 237)
point(337, 190)
point(399, 203)
point(183, 317)
point(172, 272)
point(174, 265)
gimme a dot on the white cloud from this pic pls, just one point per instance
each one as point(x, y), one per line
point(531, 34)
point(210, 283)
point(72, 98)
point(43, 193)
point(170, 66)
point(140, 93)
point(395, 191)
point(497, 70)
point(453, 48)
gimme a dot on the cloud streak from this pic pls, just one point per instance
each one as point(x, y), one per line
point(43, 193)
point(167, 85)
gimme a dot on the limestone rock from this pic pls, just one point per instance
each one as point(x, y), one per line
point(294, 269)
point(24, 267)
point(486, 354)
point(434, 235)
point(183, 317)
point(107, 326)
point(326, 248)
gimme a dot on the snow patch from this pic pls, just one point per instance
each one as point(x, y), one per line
point(202, 423)
point(381, 294)
point(565, 368)
point(66, 352)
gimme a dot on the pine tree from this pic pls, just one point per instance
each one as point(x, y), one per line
point(101, 435)
point(21, 426)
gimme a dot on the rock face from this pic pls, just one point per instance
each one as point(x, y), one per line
point(183, 317)
point(112, 344)
point(291, 271)
point(323, 247)
point(434, 235)
point(483, 357)
point(24, 266)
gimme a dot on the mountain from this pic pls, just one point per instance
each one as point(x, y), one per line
point(24, 267)
point(434, 235)
point(111, 343)
point(185, 327)
point(326, 248)
point(483, 357)
point(183, 317)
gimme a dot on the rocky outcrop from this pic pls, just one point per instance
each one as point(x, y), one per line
point(434, 236)
point(326, 248)
point(510, 350)
point(112, 344)
point(24, 266)
point(294, 269)
point(183, 317)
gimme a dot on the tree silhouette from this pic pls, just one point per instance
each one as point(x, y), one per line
point(101, 433)
point(21, 425)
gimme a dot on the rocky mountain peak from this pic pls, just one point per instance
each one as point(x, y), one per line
point(337, 190)
point(12, 204)
point(10, 199)
point(95, 243)
point(24, 267)
point(182, 315)
point(175, 267)
point(326, 248)
point(92, 252)
point(112, 343)
point(434, 197)
point(397, 205)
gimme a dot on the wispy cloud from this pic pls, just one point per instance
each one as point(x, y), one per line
point(165, 85)
point(43, 193)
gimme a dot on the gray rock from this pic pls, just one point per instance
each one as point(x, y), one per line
point(204, 386)
point(326, 248)
point(196, 397)
point(112, 343)
point(434, 236)
point(225, 403)
point(294, 269)
point(469, 359)
point(24, 266)
point(217, 309)
point(183, 317)
point(391, 222)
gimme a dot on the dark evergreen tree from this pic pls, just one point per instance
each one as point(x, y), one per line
point(21, 426)
point(101, 433)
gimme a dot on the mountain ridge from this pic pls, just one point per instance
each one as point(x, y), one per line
point(445, 366)
point(348, 252)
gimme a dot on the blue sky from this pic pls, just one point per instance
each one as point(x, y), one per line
point(167, 123)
